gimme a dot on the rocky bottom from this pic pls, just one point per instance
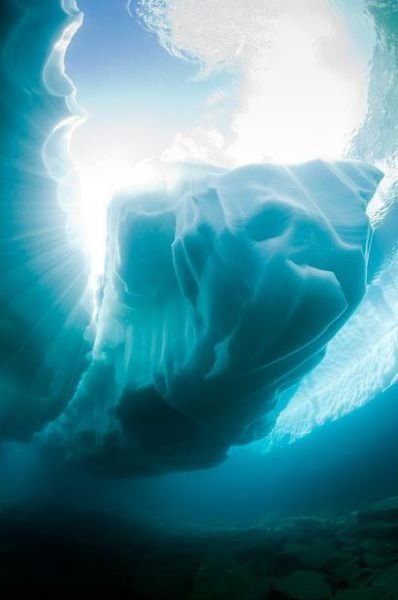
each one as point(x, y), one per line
point(351, 556)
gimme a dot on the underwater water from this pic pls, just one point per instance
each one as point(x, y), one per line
point(198, 299)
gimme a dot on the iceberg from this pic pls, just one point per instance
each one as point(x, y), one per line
point(221, 290)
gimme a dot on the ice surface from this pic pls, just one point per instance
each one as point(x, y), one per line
point(42, 275)
point(221, 291)
point(361, 361)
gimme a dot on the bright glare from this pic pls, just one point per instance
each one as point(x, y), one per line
point(301, 67)
point(98, 185)
point(297, 106)
point(302, 94)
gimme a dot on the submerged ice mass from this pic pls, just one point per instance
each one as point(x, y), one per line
point(42, 274)
point(220, 292)
point(222, 313)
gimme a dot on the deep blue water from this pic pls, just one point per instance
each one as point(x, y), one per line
point(341, 466)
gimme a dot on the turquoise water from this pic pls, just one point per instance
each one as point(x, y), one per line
point(89, 92)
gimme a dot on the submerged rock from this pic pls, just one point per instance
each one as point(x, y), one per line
point(380, 520)
point(138, 560)
point(303, 585)
point(383, 511)
point(387, 582)
point(312, 555)
point(223, 578)
point(359, 594)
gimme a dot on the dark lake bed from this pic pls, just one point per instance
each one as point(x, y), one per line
point(347, 556)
